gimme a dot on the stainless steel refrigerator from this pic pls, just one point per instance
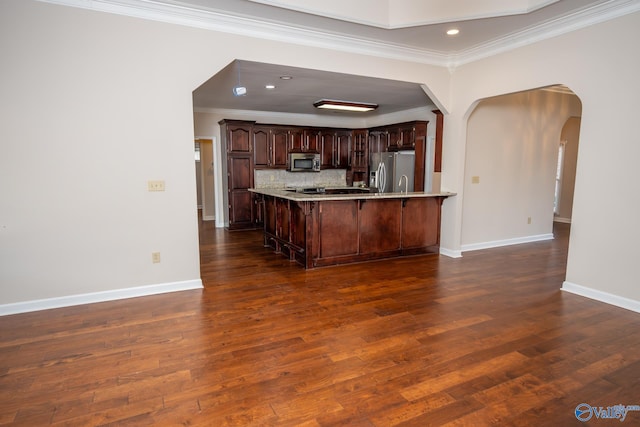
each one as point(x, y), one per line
point(388, 171)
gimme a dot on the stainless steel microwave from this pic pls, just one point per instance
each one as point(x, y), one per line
point(304, 162)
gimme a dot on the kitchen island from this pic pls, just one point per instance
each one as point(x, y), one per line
point(346, 225)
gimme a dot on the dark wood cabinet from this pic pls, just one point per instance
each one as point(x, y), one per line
point(312, 140)
point(238, 138)
point(323, 232)
point(327, 148)
point(335, 148)
point(251, 146)
point(240, 179)
point(393, 138)
point(279, 147)
point(258, 210)
point(261, 148)
point(380, 225)
point(378, 141)
point(401, 136)
point(270, 146)
point(360, 147)
point(420, 223)
point(360, 155)
point(342, 149)
point(338, 228)
point(296, 139)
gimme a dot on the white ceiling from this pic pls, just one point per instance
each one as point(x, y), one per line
point(412, 30)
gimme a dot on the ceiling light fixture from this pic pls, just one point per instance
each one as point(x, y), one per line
point(286, 77)
point(332, 104)
point(270, 86)
point(453, 31)
point(239, 90)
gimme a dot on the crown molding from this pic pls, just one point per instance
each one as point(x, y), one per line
point(562, 25)
point(251, 27)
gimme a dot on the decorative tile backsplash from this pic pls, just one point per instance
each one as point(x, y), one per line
point(278, 178)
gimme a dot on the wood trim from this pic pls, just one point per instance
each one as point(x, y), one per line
point(437, 164)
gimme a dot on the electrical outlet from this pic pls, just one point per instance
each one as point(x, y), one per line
point(155, 257)
point(529, 220)
point(155, 185)
point(475, 180)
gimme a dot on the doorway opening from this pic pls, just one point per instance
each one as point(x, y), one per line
point(511, 166)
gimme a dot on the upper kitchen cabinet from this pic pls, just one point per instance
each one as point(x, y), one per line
point(279, 147)
point(238, 136)
point(335, 148)
point(260, 142)
point(360, 155)
point(378, 141)
point(327, 148)
point(305, 140)
point(342, 149)
point(360, 149)
point(403, 136)
point(311, 139)
point(296, 139)
point(270, 146)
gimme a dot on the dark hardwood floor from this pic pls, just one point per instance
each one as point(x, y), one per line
point(487, 339)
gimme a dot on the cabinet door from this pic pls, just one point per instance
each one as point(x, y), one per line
point(282, 215)
point(380, 222)
point(312, 140)
point(279, 148)
point(261, 155)
point(258, 209)
point(394, 139)
point(298, 226)
point(420, 222)
point(240, 201)
point(359, 157)
point(238, 139)
point(328, 143)
point(296, 140)
point(378, 141)
point(343, 150)
point(270, 215)
point(407, 137)
point(338, 228)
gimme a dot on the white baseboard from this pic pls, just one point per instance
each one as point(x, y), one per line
point(209, 218)
point(560, 219)
point(116, 294)
point(605, 297)
point(506, 242)
point(450, 253)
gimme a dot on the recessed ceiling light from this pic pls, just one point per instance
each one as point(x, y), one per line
point(332, 104)
point(453, 31)
point(270, 86)
point(285, 77)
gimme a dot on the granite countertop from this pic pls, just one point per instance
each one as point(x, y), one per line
point(304, 197)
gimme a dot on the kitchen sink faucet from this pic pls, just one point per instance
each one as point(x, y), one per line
point(406, 183)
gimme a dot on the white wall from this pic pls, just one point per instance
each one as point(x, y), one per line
point(94, 105)
point(512, 148)
point(600, 65)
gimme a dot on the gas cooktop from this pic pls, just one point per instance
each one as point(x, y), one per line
point(307, 190)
